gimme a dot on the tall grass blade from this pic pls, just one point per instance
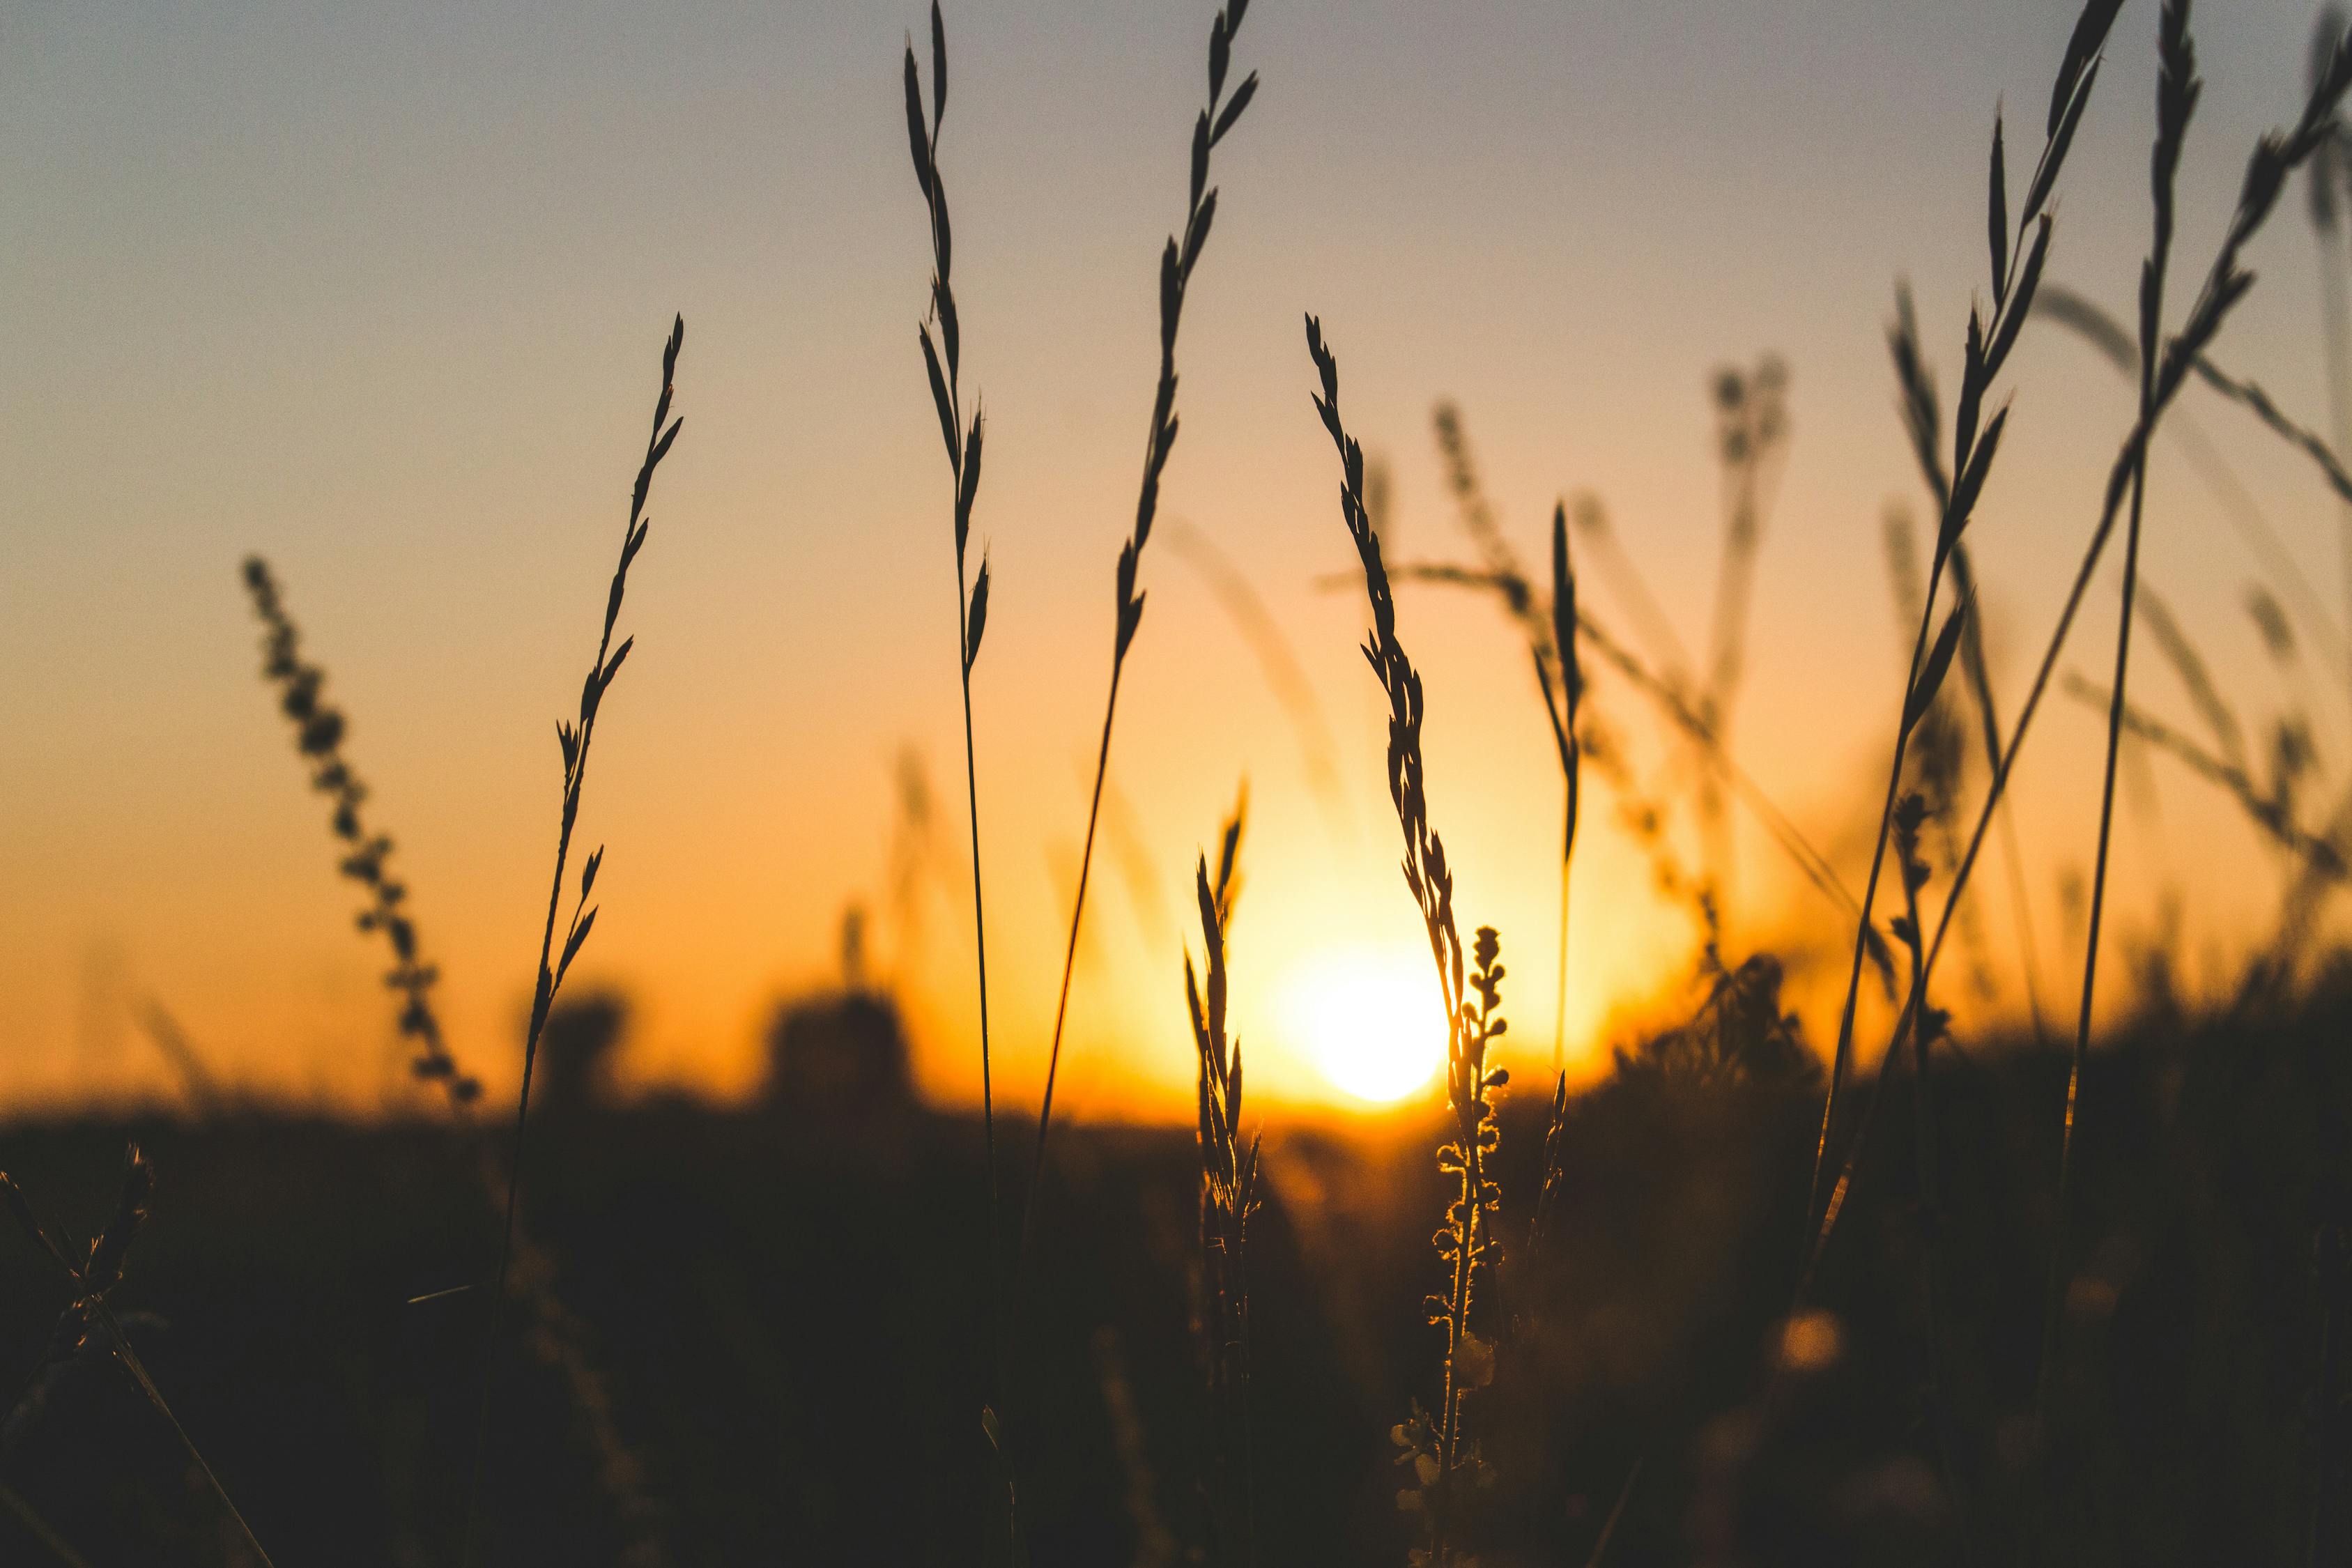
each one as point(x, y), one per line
point(574, 741)
point(965, 445)
point(2275, 157)
point(1973, 452)
point(1229, 1176)
point(1176, 263)
point(1445, 1463)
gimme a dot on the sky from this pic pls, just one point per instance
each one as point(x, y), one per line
point(379, 293)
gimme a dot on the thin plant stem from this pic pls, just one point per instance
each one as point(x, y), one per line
point(2177, 91)
point(2016, 272)
point(1752, 439)
point(1666, 692)
point(40, 1529)
point(964, 448)
point(321, 730)
point(1228, 1196)
point(1869, 896)
point(2313, 851)
point(1284, 676)
point(1473, 1012)
point(980, 944)
point(1563, 712)
point(1616, 1514)
point(1922, 411)
point(138, 1369)
point(94, 1280)
point(1979, 670)
point(1559, 979)
point(1177, 260)
point(574, 742)
point(1069, 961)
point(968, 643)
point(2113, 344)
point(2275, 155)
point(1926, 1131)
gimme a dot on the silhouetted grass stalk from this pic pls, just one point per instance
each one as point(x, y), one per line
point(1561, 710)
point(319, 729)
point(1650, 620)
point(1229, 1173)
point(2092, 323)
point(1442, 1461)
point(574, 742)
point(1910, 816)
point(2267, 812)
point(1924, 414)
point(2177, 89)
point(2276, 154)
point(963, 465)
point(1751, 436)
point(943, 365)
point(1665, 691)
point(40, 1529)
point(1551, 644)
point(94, 1280)
point(1176, 263)
point(2016, 272)
point(1616, 1514)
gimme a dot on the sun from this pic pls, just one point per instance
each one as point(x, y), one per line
point(1370, 1022)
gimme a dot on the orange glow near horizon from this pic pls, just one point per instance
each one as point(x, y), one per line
point(381, 338)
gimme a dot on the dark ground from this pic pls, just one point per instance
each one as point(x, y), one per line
point(782, 1314)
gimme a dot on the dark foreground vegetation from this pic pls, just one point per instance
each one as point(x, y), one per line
point(781, 1312)
point(1918, 1296)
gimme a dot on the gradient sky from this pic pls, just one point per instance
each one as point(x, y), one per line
point(379, 292)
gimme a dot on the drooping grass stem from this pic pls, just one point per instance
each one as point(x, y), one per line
point(1665, 692)
point(320, 733)
point(1442, 1461)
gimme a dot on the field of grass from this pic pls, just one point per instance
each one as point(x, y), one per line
point(785, 1313)
point(1933, 1289)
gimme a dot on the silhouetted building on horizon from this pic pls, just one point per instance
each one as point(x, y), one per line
point(838, 1057)
point(574, 1072)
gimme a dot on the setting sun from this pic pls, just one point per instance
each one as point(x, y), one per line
point(1370, 1022)
point(1600, 554)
